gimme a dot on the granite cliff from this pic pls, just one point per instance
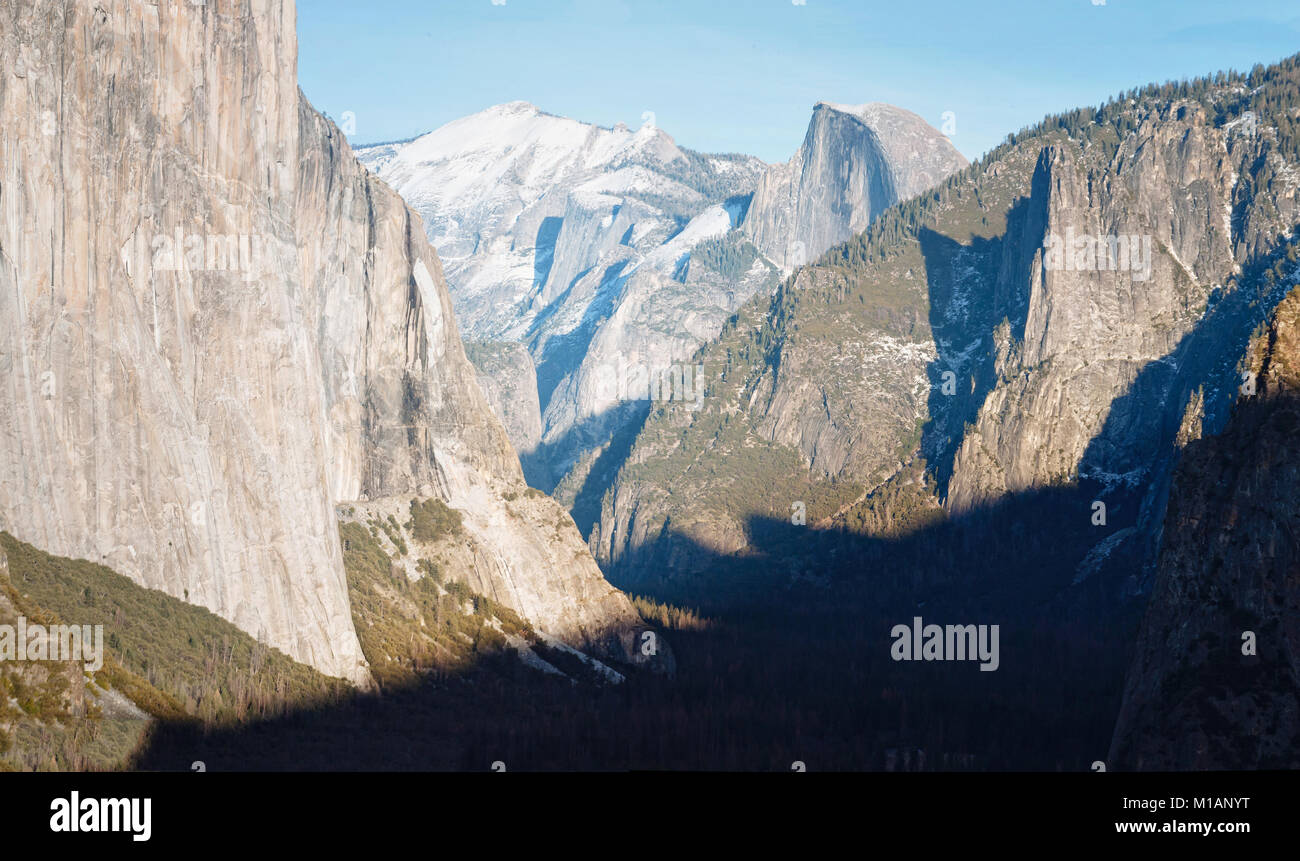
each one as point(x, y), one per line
point(856, 161)
point(218, 325)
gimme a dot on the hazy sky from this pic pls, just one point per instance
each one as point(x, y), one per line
point(730, 76)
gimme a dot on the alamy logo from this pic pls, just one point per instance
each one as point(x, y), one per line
point(24, 642)
point(1098, 253)
point(209, 252)
point(132, 815)
point(640, 382)
point(946, 643)
point(241, 253)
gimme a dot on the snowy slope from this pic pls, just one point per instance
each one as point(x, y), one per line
point(499, 189)
point(577, 240)
point(548, 226)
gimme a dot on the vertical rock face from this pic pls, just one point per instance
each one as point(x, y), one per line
point(509, 382)
point(1089, 331)
point(855, 162)
point(215, 323)
point(1215, 681)
point(160, 413)
point(402, 401)
point(1109, 343)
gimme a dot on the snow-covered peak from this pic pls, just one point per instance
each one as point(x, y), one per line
point(478, 172)
point(519, 106)
point(529, 211)
point(574, 240)
point(520, 131)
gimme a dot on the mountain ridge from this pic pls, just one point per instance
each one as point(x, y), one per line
point(611, 254)
point(893, 344)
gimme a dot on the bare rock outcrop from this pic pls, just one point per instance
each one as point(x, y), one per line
point(509, 381)
point(855, 162)
point(216, 323)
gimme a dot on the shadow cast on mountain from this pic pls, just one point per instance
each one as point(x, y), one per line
point(551, 460)
point(972, 288)
point(1135, 451)
point(795, 659)
point(834, 596)
point(793, 662)
point(978, 286)
point(563, 354)
point(548, 233)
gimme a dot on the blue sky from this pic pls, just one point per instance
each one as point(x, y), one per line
point(724, 76)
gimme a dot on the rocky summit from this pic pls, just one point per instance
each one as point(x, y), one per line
point(856, 161)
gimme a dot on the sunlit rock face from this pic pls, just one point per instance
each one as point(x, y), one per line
point(217, 324)
point(855, 162)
